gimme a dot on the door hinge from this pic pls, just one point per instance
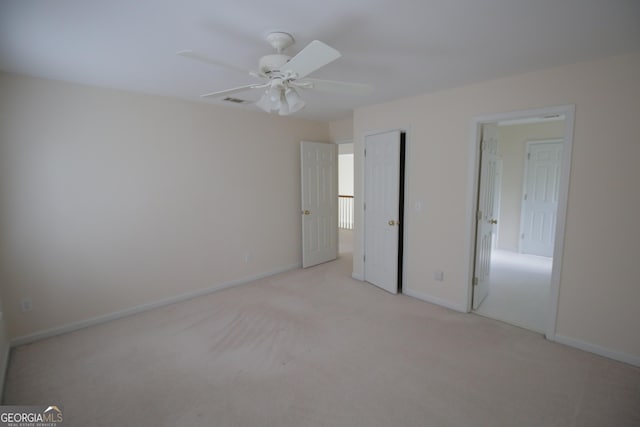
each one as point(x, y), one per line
point(522, 236)
point(364, 258)
point(525, 196)
point(365, 152)
point(479, 215)
point(528, 156)
point(475, 281)
point(365, 207)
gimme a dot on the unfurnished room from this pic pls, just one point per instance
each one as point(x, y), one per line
point(364, 213)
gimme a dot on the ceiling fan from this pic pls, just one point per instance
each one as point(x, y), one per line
point(285, 75)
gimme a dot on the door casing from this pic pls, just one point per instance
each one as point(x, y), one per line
point(568, 111)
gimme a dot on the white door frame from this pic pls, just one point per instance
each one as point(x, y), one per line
point(474, 167)
point(497, 202)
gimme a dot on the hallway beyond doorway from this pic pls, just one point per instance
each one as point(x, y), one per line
point(345, 241)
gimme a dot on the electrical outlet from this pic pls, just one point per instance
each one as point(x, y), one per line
point(26, 305)
point(438, 275)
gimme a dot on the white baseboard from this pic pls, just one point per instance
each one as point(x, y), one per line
point(596, 349)
point(434, 300)
point(70, 327)
point(571, 342)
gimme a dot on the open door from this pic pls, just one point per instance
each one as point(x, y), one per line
point(382, 209)
point(486, 218)
point(319, 186)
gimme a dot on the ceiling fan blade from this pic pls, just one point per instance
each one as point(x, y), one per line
point(315, 55)
point(238, 89)
point(207, 60)
point(335, 86)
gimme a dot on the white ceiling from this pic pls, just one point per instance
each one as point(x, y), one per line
point(399, 47)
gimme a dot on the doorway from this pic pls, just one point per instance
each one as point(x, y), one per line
point(527, 169)
point(345, 197)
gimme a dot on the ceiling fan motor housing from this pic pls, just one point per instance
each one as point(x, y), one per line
point(269, 63)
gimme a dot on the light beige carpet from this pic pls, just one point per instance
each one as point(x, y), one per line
point(518, 290)
point(316, 348)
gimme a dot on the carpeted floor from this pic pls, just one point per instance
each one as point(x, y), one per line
point(518, 290)
point(316, 348)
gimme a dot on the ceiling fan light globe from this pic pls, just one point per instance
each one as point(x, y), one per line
point(293, 100)
point(275, 93)
point(284, 109)
point(277, 104)
point(297, 107)
point(264, 102)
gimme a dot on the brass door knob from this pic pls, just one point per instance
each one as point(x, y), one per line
point(307, 212)
point(392, 222)
point(493, 221)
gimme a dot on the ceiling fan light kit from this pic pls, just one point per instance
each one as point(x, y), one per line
point(282, 100)
point(284, 74)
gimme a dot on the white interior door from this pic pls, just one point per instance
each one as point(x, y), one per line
point(540, 198)
point(486, 217)
point(319, 184)
point(382, 199)
point(497, 194)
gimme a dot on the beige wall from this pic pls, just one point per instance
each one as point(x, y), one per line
point(341, 130)
point(599, 281)
point(110, 199)
point(512, 141)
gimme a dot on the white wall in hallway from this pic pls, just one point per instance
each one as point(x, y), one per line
point(345, 171)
